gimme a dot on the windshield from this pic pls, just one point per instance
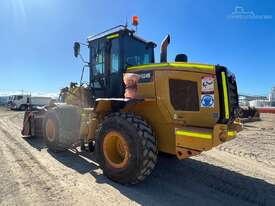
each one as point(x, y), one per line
point(137, 52)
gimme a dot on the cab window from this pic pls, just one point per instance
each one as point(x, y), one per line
point(99, 59)
point(137, 52)
point(115, 55)
point(98, 65)
point(19, 97)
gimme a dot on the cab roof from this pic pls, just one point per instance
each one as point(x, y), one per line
point(115, 32)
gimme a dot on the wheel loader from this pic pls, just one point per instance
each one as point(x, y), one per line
point(133, 107)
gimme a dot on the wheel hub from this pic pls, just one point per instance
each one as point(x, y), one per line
point(115, 150)
point(50, 130)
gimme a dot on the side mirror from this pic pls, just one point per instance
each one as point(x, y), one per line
point(76, 49)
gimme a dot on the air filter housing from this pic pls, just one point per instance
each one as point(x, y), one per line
point(181, 58)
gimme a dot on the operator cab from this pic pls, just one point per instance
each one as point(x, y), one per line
point(111, 52)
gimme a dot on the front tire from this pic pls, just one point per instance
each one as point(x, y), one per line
point(126, 148)
point(61, 128)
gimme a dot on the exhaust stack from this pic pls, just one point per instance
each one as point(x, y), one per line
point(163, 49)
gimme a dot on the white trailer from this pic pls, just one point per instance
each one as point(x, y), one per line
point(21, 101)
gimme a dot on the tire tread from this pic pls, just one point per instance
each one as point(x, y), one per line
point(149, 144)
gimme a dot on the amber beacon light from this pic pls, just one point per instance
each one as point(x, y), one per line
point(135, 20)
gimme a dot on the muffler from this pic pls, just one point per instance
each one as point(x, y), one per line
point(163, 48)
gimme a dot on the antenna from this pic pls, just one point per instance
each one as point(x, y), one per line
point(126, 23)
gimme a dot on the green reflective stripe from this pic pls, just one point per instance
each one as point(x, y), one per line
point(225, 95)
point(194, 134)
point(186, 65)
point(148, 66)
point(113, 36)
point(231, 133)
point(201, 66)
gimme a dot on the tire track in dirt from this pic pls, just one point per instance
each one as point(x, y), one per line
point(239, 186)
point(16, 119)
point(8, 184)
point(247, 155)
point(256, 142)
point(219, 181)
point(200, 176)
point(65, 184)
point(32, 173)
point(6, 114)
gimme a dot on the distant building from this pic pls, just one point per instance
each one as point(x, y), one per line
point(258, 101)
point(252, 97)
point(271, 96)
point(243, 101)
point(253, 100)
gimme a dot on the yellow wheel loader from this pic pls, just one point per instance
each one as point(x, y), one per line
point(133, 107)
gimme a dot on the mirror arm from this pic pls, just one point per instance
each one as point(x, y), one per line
point(82, 73)
point(82, 59)
point(83, 44)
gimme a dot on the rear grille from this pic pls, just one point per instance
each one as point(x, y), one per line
point(232, 95)
point(184, 95)
point(228, 105)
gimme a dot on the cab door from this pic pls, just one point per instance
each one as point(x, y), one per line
point(98, 67)
point(106, 73)
point(114, 69)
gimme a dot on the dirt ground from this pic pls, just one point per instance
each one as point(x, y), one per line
point(239, 172)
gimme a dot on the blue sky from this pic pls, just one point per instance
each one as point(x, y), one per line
point(37, 37)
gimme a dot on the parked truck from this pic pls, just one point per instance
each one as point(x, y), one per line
point(20, 102)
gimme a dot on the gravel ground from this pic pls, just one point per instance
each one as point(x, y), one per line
point(239, 172)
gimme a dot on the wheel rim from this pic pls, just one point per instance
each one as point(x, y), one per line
point(50, 130)
point(116, 150)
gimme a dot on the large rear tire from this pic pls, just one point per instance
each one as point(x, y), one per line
point(61, 127)
point(126, 148)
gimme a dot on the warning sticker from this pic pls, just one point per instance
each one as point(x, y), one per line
point(207, 100)
point(207, 84)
